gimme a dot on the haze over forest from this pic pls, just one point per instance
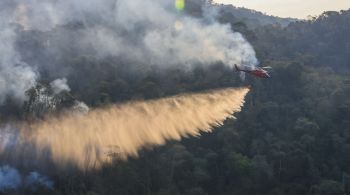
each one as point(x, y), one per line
point(290, 8)
point(141, 97)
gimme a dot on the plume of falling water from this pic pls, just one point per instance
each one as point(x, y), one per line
point(89, 141)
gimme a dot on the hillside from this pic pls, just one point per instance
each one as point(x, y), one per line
point(292, 136)
point(253, 19)
point(321, 42)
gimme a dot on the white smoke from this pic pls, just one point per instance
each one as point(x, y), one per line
point(80, 107)
point(161, 42)
point(59, 85)
point(15, 76)
point(8, 137)
point(144, 31)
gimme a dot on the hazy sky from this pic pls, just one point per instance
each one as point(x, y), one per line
point(291, 8)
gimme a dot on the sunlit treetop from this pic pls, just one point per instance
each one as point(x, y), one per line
point(180, 5)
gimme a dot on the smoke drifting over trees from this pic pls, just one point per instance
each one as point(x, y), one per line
point(15, 75)
point(139, 33)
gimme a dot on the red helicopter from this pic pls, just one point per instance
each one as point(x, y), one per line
point(256, 71)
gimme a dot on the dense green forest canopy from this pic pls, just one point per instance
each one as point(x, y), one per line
point(321, 42)
point(292, 137)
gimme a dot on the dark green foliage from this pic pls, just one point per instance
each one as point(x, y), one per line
point(323, 41)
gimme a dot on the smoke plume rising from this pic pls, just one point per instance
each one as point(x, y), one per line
point(90, 140)
point(43, 38)
point(59, 85)
point(15, 75)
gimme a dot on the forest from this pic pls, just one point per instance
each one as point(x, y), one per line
point(292, 136)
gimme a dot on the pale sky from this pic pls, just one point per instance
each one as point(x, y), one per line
point(291, 8)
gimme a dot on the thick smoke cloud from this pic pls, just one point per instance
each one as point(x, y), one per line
point(140, 32)
point(145, 31)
